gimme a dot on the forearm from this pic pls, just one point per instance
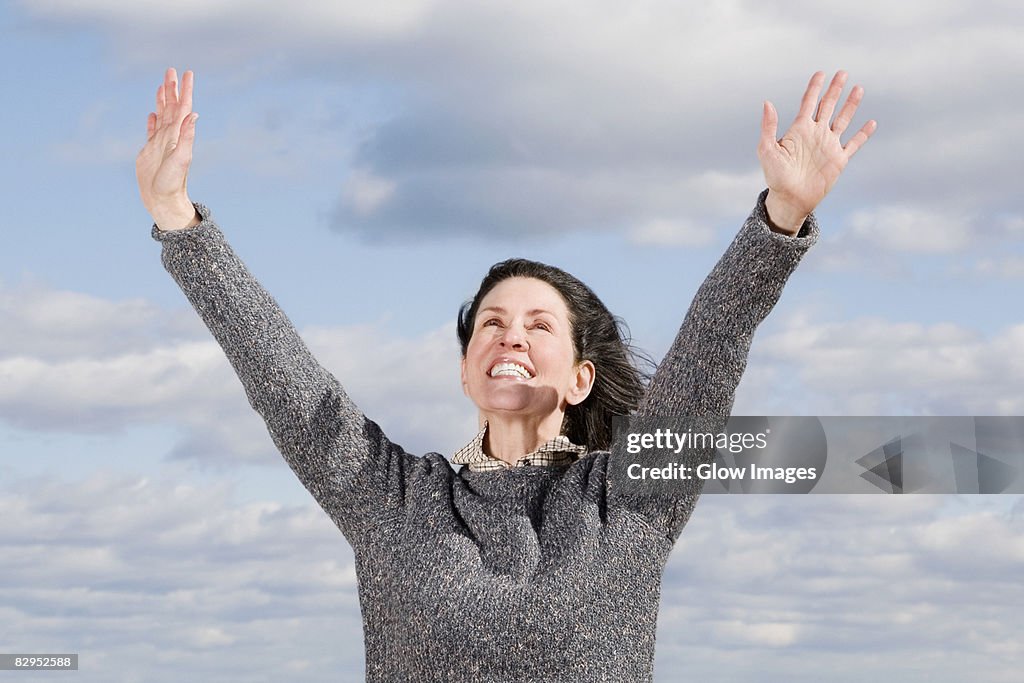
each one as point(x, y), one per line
point(703, 367)
point(696, 381)
point(304, 407)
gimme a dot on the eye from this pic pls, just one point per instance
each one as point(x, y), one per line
point(542, 325)
point(491, 322)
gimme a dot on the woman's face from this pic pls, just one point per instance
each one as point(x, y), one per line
point(520, 359)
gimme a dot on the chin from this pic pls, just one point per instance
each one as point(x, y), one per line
point(517, 399)
point(512, 404)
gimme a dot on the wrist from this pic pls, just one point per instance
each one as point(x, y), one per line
point(782, 216)
point(177, 216)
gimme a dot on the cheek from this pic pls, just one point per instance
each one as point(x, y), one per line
point(475, 353)
point(560, 358)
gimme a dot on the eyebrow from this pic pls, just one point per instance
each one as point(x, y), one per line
point(502, 311)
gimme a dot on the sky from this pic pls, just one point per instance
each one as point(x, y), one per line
point(369, 162)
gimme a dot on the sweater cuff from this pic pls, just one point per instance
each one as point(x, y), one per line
point(205, 225)
point(805, 237)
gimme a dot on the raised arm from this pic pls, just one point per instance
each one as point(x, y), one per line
point(342, 458)
point(699, 374)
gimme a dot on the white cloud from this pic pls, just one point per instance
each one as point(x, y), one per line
point(365, 191)
point(411, 387)
point(1002, 267)
point(498, 112)
point(666, 232)
point(1014, 225)
point(79, 364)
point(789, 586)
point(137, 575)
point(872, 366)
point(911, 229)
point(981, 537)
point(40, 321)
point(210, 636)
point(770, 634)
point(698, 200)
point(354, 19)
point(725, 191)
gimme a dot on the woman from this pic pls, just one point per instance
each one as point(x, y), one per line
point(530, 563)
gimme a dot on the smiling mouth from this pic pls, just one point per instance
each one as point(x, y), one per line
point(507, 369)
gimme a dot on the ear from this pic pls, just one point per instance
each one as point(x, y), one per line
point(465, 384)
point(586, 373)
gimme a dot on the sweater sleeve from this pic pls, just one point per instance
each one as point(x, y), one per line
point(699, 374)
point(352, 470)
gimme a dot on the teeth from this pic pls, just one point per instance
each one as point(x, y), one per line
point(510, 370)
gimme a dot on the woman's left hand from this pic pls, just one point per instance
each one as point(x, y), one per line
point(803, 165)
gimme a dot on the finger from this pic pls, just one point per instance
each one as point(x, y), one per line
point(860, 138)
point(769, 126)
point(160, 106)
point(845, 114)
point(187, 79)
point(831, 96)
point(171, 87)
point(150, 126)
point(811, 95)
point(165, 125)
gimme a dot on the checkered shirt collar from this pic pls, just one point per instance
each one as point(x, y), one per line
point(558, 452)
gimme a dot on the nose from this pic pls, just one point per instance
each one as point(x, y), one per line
point(513, 337)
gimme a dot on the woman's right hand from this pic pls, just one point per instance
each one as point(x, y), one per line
point(162, 166)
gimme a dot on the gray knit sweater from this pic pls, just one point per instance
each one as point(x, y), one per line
point(523, 574)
